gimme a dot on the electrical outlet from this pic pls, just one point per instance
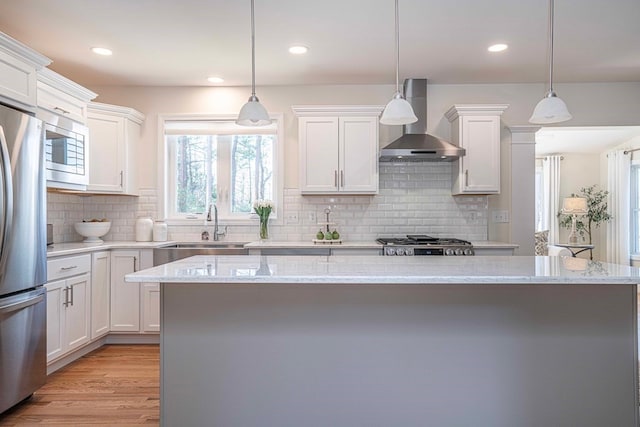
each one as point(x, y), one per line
point(501, 216)
point(312, 217)
point(292, 218)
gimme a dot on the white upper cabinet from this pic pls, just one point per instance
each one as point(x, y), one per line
point(114, 135)
point(338, 149)
point(476, 128)
point(18, 67)
point(62, 97)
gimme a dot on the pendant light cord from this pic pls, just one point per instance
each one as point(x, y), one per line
point(550, 46)
point(397, 50)
point(253, 53)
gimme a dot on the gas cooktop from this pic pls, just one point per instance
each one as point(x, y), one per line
point(421, 244)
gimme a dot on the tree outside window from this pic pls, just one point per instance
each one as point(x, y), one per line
point(225, 168)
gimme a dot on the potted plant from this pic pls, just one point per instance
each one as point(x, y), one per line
point(597, 212)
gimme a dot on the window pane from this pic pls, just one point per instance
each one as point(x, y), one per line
point(251, 171)
point(195, 173)
point(635, 209)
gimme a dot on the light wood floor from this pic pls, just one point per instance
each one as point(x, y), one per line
point(116, 385)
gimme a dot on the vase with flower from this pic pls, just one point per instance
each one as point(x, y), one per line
point(263, 208)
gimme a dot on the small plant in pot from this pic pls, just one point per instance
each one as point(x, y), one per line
point(597, 212)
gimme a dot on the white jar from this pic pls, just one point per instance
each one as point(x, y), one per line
point(160, 231)
point(144, 229)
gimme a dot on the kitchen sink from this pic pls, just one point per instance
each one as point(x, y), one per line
point(178, 251)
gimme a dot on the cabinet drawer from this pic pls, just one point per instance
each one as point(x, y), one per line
point(59, 268)
point(62, 104)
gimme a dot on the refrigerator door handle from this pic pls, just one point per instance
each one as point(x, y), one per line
point(29, 299)
point(6, 198)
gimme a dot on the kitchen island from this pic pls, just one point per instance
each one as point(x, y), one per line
point(381, 341)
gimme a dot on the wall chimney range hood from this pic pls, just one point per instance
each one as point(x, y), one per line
point(416, 145)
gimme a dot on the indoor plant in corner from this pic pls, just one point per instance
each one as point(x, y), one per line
point(597, 212)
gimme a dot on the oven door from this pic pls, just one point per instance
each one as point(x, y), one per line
point(66, 156)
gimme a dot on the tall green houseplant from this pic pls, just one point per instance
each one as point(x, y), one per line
point(597, 212)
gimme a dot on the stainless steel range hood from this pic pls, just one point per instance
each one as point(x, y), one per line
point(416, 145)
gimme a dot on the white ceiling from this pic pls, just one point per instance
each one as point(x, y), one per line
point(583, 140)
point(171, 42)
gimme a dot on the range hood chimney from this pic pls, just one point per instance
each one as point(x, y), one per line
point(416, 145)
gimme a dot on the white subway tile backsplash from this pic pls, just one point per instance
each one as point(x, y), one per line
point(413, 199)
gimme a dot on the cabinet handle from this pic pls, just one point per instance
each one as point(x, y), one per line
point(62, 110)
point(135, 259)
point(466, 177)
point(335, 178)
point(121, 178)
point(71, 303)
point(66, 296)
point(342, 178)
point(71, 267)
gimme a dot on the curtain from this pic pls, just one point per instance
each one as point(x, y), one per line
point(551, 203)
point(618, 185)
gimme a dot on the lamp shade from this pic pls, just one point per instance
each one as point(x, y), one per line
point(253, 113)
point(550, 109)
point(398, 112)
point(574, 205)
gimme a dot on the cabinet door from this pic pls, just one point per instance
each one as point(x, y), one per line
point(125, 297)
point(480, 166)
point(106, 153)
point(358, 154)
point(55, 318)
point(319, 169)
point(151, 307)
point(100, 284)
point(17, 82)
point(77, 315)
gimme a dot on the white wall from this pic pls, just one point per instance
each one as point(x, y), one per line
point(597, 104)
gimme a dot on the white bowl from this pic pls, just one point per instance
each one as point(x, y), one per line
point(92, 231)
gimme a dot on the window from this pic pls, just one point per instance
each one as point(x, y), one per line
point(213, 161)
point(634, 242)
point(539, 199)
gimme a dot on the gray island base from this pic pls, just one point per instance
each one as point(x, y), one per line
point(250, 341)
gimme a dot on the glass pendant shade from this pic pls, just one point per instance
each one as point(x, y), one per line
point(398, 112)
point(253, 113)
point(550, 109)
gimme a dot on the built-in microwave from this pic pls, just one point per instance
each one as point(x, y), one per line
point(66, 153)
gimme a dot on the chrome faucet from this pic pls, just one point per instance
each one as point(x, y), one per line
point(216, 230)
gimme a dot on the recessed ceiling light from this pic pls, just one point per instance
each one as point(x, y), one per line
point(101, 51)
point(215, 79)
point(497, 47)
point(298, 49)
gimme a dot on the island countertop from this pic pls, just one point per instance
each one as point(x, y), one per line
point(388, 270)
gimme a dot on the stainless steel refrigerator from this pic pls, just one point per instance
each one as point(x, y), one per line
point(23, 257)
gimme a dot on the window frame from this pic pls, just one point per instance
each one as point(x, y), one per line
point(634, 208)
point(163, 173)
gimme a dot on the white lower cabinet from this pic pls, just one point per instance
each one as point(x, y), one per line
point(134, 307)
point(125, 297)
point(100, 293)
point(150, 307)
point(68, 315)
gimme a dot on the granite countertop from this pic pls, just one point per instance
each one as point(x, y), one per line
point(358, 245)
point(388, 270)
point(74, 248)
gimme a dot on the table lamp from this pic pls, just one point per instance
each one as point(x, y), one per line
point(574, 206)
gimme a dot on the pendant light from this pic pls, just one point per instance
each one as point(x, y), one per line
point(253, 113)
point(551, 109)
point(398, 111)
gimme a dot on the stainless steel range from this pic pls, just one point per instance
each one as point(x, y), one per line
point(420, 245)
